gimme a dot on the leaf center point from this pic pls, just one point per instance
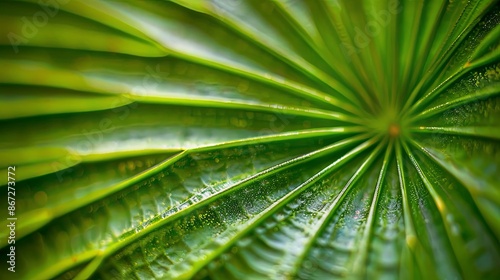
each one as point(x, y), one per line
point(394, 130)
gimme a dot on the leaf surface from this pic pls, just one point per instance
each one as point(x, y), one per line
point(251, 139)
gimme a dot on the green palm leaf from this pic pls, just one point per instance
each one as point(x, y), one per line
point(251, 139)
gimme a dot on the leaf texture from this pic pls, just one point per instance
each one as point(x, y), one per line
point(251, 139)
